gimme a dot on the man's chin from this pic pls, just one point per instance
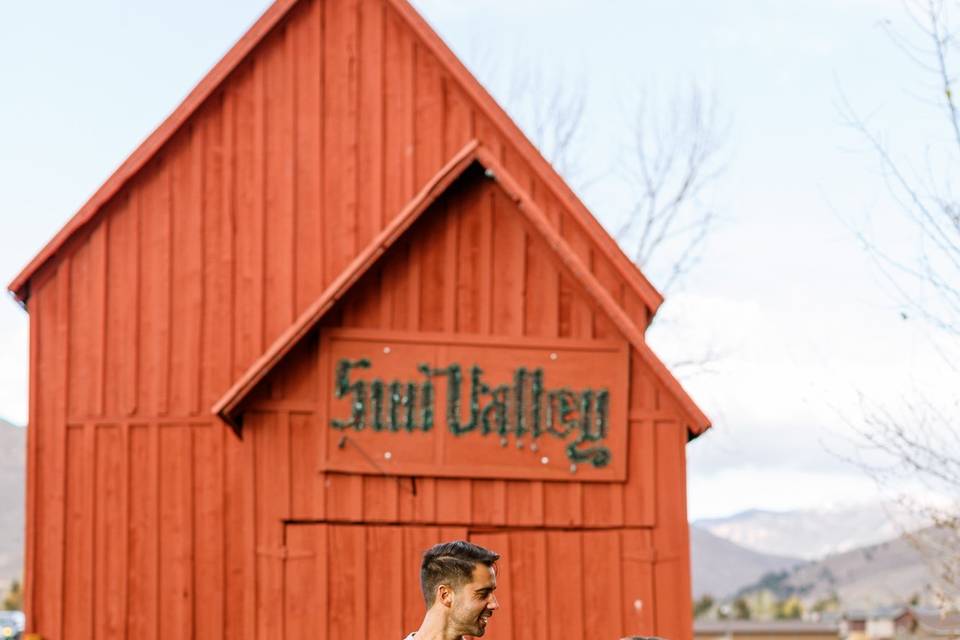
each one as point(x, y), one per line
point(481, 627)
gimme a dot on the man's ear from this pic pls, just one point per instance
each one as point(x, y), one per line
point(445, 595)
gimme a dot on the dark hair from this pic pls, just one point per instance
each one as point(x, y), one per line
point(451, 563)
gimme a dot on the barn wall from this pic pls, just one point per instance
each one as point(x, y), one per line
point(335, 576)
point(144, 319)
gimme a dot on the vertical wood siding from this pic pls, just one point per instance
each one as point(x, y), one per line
point(361, 581)
point(146, 516)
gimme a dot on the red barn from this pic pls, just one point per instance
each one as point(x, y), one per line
point(337, 308)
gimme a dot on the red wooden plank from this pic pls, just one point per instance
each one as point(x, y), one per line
point(303, 465)
point(450, 261)
point(380, 498)
point(563, 503)
point(638, 593)
point(306, 31)
point(458, 117)
point(217, 233)
point(565, 586)
point(454, 500)
point(237, 538)
point(109, 533)
point(398, 129)
point(429, 115)
point(143, 549)
point(270, 436)
point(370, 121)
point(122, 307)
point(639, 495)
point(603, 503)
point(541, 290)
point(581, 314)
point(249, 233)
point(46, 589)
point(187, 268)
point(671, 537)
point(82, 369)
point(303, 611)
point(488, 502)
point(348, 581)
point(602, 584)
point(413, 277)
point(432, 265)
point(176, 530)
point(279, 183)
point(486, 262)
point(78, 544)
point(270, 593)
point(607, 277)
point(488, 135)
point(209, 530)
point(344, 497)
point(154, 286)
point(467, 207)
point(527, 605)
point(425, 502)
point(385, 583)
point(339, 135)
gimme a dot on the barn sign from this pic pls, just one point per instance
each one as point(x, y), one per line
point(521, 407)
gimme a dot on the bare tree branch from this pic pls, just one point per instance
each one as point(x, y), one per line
point(675, 154)
point(918, 438)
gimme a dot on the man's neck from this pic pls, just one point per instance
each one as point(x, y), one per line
point(434, 627)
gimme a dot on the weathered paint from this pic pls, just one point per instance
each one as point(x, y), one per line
point(147, 516)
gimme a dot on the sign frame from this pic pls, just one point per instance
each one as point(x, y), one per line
point(431, 453)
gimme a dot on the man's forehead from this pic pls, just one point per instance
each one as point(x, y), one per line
point(483, 577)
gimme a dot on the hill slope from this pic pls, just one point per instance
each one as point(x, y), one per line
point(13, 445)
point(721, 568)
point(882, 574)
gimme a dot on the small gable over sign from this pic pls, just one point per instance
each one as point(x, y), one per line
point(455, 386)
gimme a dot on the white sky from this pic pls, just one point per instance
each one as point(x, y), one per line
point(783, 290)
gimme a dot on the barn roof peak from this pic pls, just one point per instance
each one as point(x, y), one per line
point(229, 406)
point(272, 17)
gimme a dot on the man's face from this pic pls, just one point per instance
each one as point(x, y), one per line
point(474, 602)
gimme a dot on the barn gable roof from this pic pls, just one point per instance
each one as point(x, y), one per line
point(91, 210)
point(228, 407)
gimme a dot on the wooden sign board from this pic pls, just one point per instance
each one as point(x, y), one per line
point(454, 406)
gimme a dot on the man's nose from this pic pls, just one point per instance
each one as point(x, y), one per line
point(493, 604)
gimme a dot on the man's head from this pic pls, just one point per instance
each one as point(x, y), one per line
point(460, 578)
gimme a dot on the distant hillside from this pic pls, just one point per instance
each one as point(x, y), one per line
point(810, 534)
point(721, 568)
point(13, 445)
point(888, 573)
